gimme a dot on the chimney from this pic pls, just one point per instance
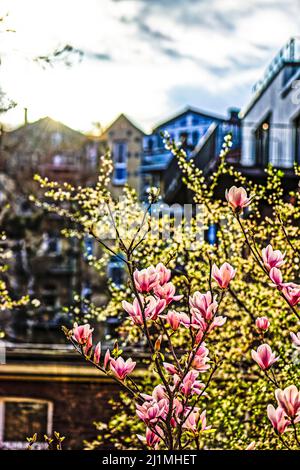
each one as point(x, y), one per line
point(25, 116)
point(233, 114)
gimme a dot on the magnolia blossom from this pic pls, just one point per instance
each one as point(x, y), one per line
point(190, 385)
point(164, 274)
point(152, 308)
point(82, 333)
point(173, 319)
point(195, 421)
point(264, 356)
point(272, 258)
point(205, 304)
point(276, 277)
point(277, 418)
point(146, 279)
point(167, 292)
point(203, 308)
point(121, 368)
point(289, 400)
point(291, 292)
point(296, 338)
point(237, 198)
point(151, 438)
point(97, 353)
point(224, 275)
point(107, 359)
point(201, 358)
point(150, 412)
point(262, 323)
point(159, 392)
point(170, 368)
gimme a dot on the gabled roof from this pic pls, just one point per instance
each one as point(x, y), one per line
point(187, 110)
point(130, 121)
point(46, 124)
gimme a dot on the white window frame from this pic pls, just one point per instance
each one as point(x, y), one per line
point(120, 165)
point(24, 444)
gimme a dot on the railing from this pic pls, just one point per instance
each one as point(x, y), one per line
point(288, 53)
point(204, 155)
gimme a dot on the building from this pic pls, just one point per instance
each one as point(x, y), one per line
point(44, 264)
point(271, 121)
point(200, 135)
point(50, 388)
point(266, 131)
point(124, 139)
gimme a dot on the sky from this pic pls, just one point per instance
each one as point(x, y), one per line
point(146, 58)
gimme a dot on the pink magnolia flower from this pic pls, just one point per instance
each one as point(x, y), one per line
point(201, 358)
point(159, 392)
point(146, 279)
point(272, 258)
point(237, 198)
point(151, 438)
point(107, 359)
point(204, 304)
point(296, 338)
point(276, 277)
point(291, 292)
point(262, 323)
point(167, 292)
point(196, 421)
point(152, 308)
point(224, 275)
point(173, 319)
point(164, 274)
point(190, 385)
point(277, 418)
point(170, 368)
point(121, 368)
point(150, 412)
point(97, 353)
point(264, 356)
point(82, 334)
point(199, 322)
point(289, 400)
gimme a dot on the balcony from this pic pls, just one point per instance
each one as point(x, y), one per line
point(156, 160)
point(205, 157)
point(288, 54)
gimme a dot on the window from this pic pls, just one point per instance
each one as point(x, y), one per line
point(120, 162)
point(115, 270)
point(56, 138)
point(262, 143)
point(23, 417)
point(195, 137)
point(297, 139)
point(88, 247)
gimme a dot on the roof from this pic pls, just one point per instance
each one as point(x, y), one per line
point(258, 94)
point(289, 55)
point(186, 110)
point(129, 120)
point(47, 123)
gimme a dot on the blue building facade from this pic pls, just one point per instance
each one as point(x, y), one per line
point(189, 128)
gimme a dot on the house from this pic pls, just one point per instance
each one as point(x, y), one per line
point(200, 135)
point(188, 127)
point(271, 121)
point(44, 264)
point(124, 139)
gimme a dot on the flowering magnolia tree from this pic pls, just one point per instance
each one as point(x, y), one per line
point(219, 323)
